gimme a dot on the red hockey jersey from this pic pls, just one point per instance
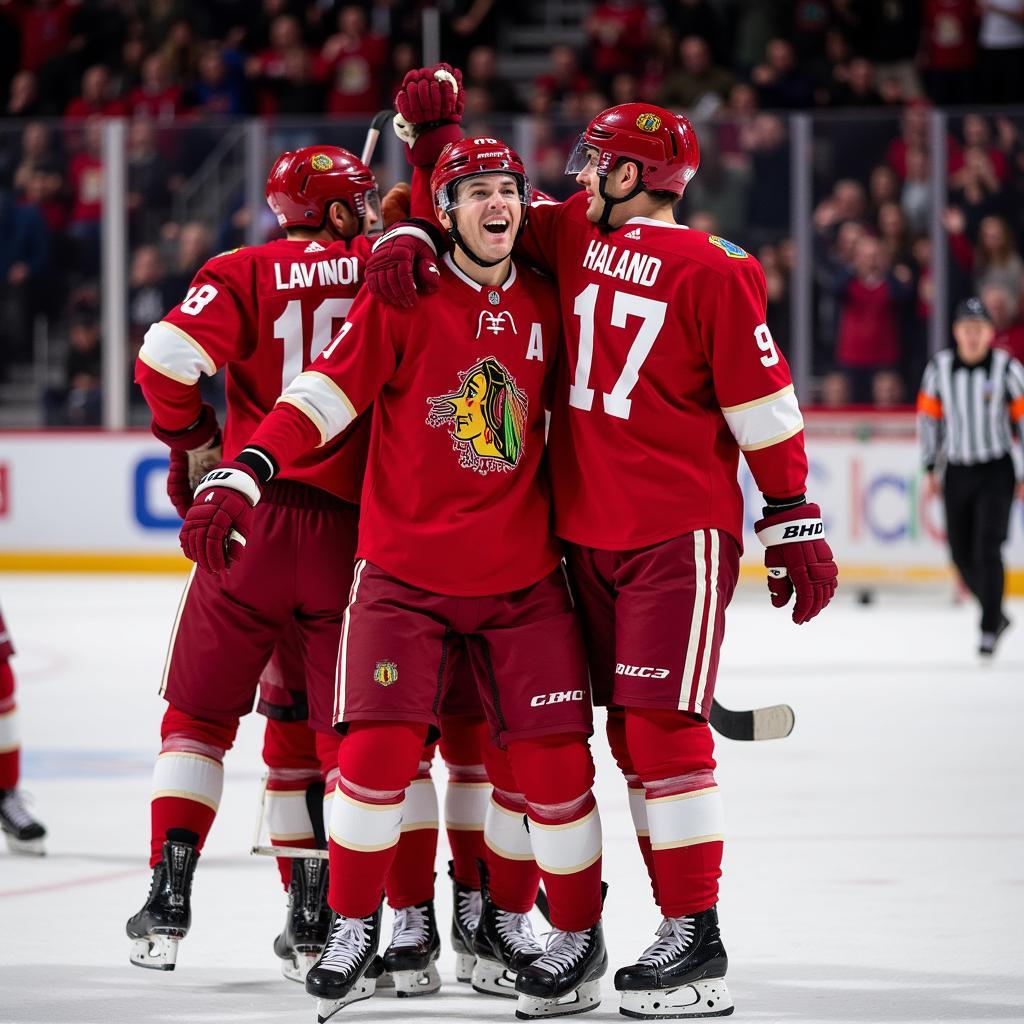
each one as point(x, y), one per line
point(455, 499)
point(262, 312)
point(671, 371)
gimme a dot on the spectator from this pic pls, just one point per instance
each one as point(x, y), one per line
point(883, 186)
point(96, 97)
point(720, 189)
point(564, 78)
point(870, 298)
point(699, 87)
point(24, 254)
point(894, 233)
point(148, 296)
point(1001, 51)
point(892, 36)
point(1004, 309)
point(996, 260)
point(780, 82)
point(482, 73)
point(735, 121)
point(148, 178)
point(85, 179)
point(976, 190)
point(157, 98)
point(617, 36)
point(858, 90)
point(769, 196)
point(220, 87)
point(23, 98)
point(270, 67)
point(659, 60)
point(978, 135)
point(193, 250)
point(950, 49)
point(700, 18)
point(916, 194)
point(77, 402)
point(356, 63)
point(181, 51)
point(914, 135)
point(625, 88)
point(468, 23)
point(830, 70)
point(45, 30)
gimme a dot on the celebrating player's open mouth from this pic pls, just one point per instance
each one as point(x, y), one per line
point(488, 214)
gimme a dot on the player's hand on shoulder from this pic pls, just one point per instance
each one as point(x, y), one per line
point(403, 264)
point(218, 520)
point(798, 559)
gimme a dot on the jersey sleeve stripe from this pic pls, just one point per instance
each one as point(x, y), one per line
point(765, 421)
point(171, 352)
point(322, 401)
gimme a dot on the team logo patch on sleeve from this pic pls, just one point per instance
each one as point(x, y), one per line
point(385, 673)
point(487, 416)
point(731, 249)
point(648, 122)
point(321, 162)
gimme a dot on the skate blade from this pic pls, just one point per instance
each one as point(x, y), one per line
point(708, 997)
point(580, 1000)
point(297, 966)
point(490, 978)
point(155, 952)
point(416, 983)
point(25, 847)
point(464, 964)
point(362, 989)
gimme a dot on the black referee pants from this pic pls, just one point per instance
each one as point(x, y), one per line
point(978, 500)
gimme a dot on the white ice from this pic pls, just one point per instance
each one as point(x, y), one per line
point(874, 866)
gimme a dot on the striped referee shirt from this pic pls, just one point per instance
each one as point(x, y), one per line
point(967, 413)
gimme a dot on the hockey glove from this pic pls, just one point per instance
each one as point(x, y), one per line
point(798, 559)
point(431, 96)
point(220, 516)
point(403, 260)
point(179, 488)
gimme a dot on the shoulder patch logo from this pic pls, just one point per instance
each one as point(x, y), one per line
point(649, 122)
point(321, 162)
point(385, 673)
point(731, 249)
point(487, 416)
point(228, 252)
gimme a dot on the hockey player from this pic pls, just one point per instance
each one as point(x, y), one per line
point(23, 833)
point(671, 371)
point(454, 542)
point(262, 312)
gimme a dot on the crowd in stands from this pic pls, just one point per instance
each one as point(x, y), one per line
point(177, 68)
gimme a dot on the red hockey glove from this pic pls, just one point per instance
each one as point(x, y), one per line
point(798, 559)
point(403, 260)
point(220, 515)
point(431, 95)
point(179, 489)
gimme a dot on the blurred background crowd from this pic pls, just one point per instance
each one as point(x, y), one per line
point(184, 72)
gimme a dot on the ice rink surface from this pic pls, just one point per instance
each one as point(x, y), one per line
point(874, 865)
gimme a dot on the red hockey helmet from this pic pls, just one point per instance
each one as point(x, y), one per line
point(303, 182)
point(469, 157)
point(662, 143)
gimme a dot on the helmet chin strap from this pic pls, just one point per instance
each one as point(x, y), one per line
point(456, 237)
point(611, 201)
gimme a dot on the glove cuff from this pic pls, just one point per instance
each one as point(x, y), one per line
point(204, 433)
point(431, 138)
point(796, 526)
point(236, 476)
point(418, 228)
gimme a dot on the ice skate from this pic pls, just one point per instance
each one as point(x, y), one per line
point(504, 944)
point(465, 918)
point(566, 978)
point(682, 974)
point(348, 966)
point(23, 833)
point(166, 916)
point(308, 919)
point(989, 641)
point(411, 959)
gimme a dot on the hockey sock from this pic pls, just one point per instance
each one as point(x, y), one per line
point(289, 752)
point(556, 774)
point(376, 762)
point(468, 793)
point(616, 730)
point(514, 875)
point(410, 880)
point(673, 754)
point(188, 777)
point(10, 748)
point(327, 752)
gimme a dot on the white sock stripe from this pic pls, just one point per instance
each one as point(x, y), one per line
point(359, 826)
point(190, 777)
point(688, 817)
point(708, 624)
point(420, 806)
point(696, 615)
point(339, 678)
point(465, 804)
point(638, 811)
point(8, 731)
point(505, 833)
point(288, 815)
point(568, 847)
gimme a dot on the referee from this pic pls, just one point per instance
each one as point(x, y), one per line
point(971, 397)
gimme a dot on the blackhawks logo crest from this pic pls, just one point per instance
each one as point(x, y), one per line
point(385, 673)
point(487, 416)
point(321, 162)
point(648, 122)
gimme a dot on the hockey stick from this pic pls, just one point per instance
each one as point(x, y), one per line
point(377, 123)
point(771, 723)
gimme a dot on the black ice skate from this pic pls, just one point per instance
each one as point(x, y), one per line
point(348, 966)
point(566, 978)
point(410, 961)
point(504, 944)
point(681, 975)
point(308, 919)
point(465, 917)
point(166, 915)
point(23, 833)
